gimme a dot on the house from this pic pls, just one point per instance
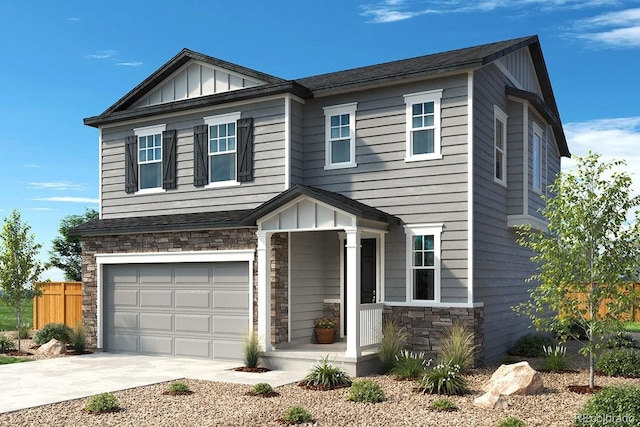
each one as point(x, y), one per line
point(232, 199)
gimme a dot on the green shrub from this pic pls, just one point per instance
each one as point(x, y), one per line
point(621, 340)
point(6, 343)
point(531, 345)
point(366, 391)
point(616, 406)
point(511, 422)
point(59, 331)
point(251, 349)
point(392, 342)
point(457, 347)
point(555, 358)
point(262, 388)
point(443, 405)
point(410, 365)
point(25, 330)
point(509, 359)
point(7, 360)
point(326, 376)
point(178, 388)
point(297, 415)
point(103, 402)
point(620, 362)
point(443, 379)
point(78, 338)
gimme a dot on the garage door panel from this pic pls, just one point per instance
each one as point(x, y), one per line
point(156, 322)
point(193, 299)
point(193, 323)
point(156, 344)
point(193, 348)
point(156, 298)
point(190, 310)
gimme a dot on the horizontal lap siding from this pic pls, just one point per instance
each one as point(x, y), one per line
point(433, 191)
point(297, 146)
point(186, 198)
point(515, 159)
point(500, 264)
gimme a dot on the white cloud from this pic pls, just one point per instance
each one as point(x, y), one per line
point(74, 19)
point(102, 54)
point(620, 28)
point(62, 185)
point(130, 64)
point(67, 199)
point(40, 209)
point(31, 166)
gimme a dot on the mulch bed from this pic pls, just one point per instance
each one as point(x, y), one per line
point(584, 389)
point(272, 394)
point(319, 387)
point(177, 393)
point(17, 353)
point(254, 370)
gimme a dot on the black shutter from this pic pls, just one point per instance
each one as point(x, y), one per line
point(169, 150)
point(131, 164)
point(245, 149)
point(200, 156)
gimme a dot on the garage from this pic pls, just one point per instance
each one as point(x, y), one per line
point(189, 309)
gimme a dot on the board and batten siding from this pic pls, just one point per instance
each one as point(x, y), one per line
point(315, 276)
point(430, 191)
point(186, 198)
point(520, 65)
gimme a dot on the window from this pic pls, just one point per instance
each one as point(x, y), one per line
point(340, 136)
point(222, 148)
point(423, 262)
point(537, 158)
point(423, 125)
point(149, 157)
point(500, 146)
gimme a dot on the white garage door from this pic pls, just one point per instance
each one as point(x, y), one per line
point(185, 310)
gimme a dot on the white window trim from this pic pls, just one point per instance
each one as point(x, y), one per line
point(221, 120)
point(537, 130)
point(434, 230)
point(147, 131)
point(336, 110)
point(434, 96)
point(499, 115)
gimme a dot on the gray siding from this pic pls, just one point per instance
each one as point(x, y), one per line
point(520, 66)
point(268, 167)
point(548, 151)
point(515, 158)
point(297, 142)
point(315, 276)
point(500, 265)
point(432, 191)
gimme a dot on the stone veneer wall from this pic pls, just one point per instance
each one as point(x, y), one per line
point(226, 239)
point(279, 288)
point(426, 325)
point(332, 311)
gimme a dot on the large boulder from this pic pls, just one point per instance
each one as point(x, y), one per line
point(517, 378)
point(491, 400)
point(53, 347)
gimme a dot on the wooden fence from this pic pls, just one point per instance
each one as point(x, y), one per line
point(61, 302)
point(633, 316)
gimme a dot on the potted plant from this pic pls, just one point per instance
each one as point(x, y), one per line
point(325, 330)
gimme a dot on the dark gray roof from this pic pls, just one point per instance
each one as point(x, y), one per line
point(227, 219)
point(159, 223)
point(336, 200)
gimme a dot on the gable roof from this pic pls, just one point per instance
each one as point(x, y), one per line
point(458, 60)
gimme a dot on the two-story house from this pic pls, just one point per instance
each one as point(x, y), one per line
point(231, 199)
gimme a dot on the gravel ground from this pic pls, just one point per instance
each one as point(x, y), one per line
point(222, 404)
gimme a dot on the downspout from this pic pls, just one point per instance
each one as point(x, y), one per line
point(287, 142)
point(100, 173)
point(470, 156)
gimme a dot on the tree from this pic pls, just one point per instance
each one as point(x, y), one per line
point(19, 267)
point(67, 249)
point(589, 257)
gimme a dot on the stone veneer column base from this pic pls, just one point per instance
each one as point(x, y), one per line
point(426, 325)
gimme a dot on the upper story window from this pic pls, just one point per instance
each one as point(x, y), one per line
point(340, 136)
point(222, 152)
point(423, 125)
point(500, 146)
point(537, 158)
point(423, 262)
point(150, 160)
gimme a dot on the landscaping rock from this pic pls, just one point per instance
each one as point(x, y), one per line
point(53, 347)
point(491, 400)
point(517, 378)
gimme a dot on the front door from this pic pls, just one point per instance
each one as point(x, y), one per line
point(368, 276)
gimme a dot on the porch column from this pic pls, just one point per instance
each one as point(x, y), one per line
point(264, 293)
point(353, 293)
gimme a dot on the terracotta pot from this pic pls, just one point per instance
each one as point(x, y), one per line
point(325, 335)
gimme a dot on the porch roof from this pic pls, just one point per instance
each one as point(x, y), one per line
point(335, 200)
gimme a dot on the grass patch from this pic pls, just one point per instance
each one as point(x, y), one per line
point(632, 326)
point(5, 360)
point(8, 317)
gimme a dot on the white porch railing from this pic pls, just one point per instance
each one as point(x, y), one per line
point(370, 324)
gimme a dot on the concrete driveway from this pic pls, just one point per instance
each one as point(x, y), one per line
point(64, 378)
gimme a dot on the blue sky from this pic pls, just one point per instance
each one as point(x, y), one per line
point(63, 61)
